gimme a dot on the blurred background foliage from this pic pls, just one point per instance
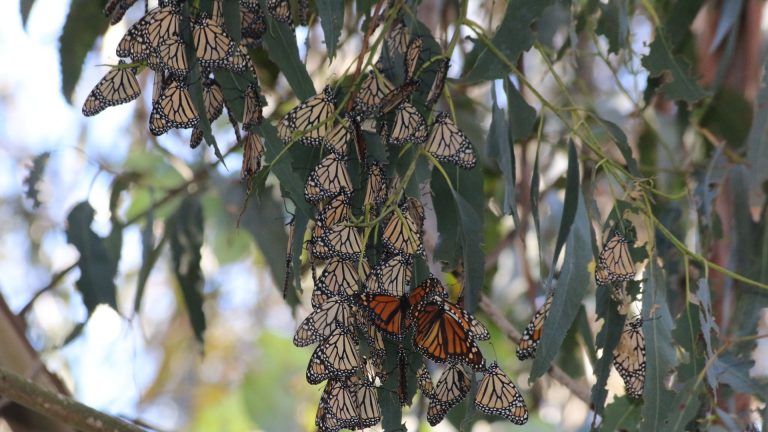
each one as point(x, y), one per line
point(661, 99)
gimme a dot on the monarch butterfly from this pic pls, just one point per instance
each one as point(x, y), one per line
point(403, 232)
point(339, 278)
point(327, 179)
point(412, 57)
point(424, 382)
point(253, 150)
point(280, 10)
point(397, 37)
point(395, 97)
point(160, 23)
point(337, 409)
point(337, 139)
point(376, 188)
point(196, 138)
point(213, 46)
point(213, 99)
point(117, 87)
point(452, 387)
point(252, 111)
point(169, 57)
point(391, 314)
point(240, 61)
point(629, 357)
point(498, 395)
point(331, 213)
point(335, 357)
point(172, 109)
point(339, 241)
point(319, 324)
point(614, 263)
point(310, 117)
point(116, 9)
point(409, 126)
point(252, 23)
point(369, 411)
point(447, 143)
point(532, 333)
point(134, 42)
point(372, 91)
point(444, 332)
point(437, 85)
point(391, 276)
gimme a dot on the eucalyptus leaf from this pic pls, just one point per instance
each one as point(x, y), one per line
point(85, 22)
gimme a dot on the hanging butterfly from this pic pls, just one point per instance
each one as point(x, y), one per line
point(408, 127)
point(318, 325)
point(172, 109)
point(280, 10)
point(337, 409)
point(452, 387)
point(498, 395)
point(252, 111)
point(447, 143)
point(394, 98)
point(327, 179)
point(397, 37)
point(370, 95)
point(376, 188)
point(213, 99)
point(335, 357)
point(338, 138)
point(213, 46)
point(338, 279)
point(391, 276)
point(150, 32)
point(615, 264)
point(253, 150)
point(367, 398)
point(310, 118)
point(336, 210)
point(532, 333)
point(339, 241)
point(438, 84)
point(403, 232)
point(117, 87)
point(116, 9)
point(240, 61)
point(402, 383)
point(629, 357)
point(253, 26)
point(170, 57)
point(412, 57)
point(424, 382)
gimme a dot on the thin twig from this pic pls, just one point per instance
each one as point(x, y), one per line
point(58, 407)
point(512, 334)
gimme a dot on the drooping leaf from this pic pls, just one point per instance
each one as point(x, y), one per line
point(447, 218)
point(34, 177)
point(149, 256)
point(570, 289)
point(514, 35)
point(85, 22)
point(621, 415)
point(535, 205)
point(570, 203)
point(757, 143)
point(681, 84)
point(708, 327)
point(280, 42)
point(332, 20)
point(659, 350)
point(471, 223)
point(300, 222)
point(500, 148)
point(614, 24)
point(620, 138)
point(729, 16)
point(734, 371)
point(522, 116)
point(185, 232)
point(687, 400)
point(97, 265)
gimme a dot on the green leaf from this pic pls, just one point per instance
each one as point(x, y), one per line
point(621, 415)
point(535, 184)
point(300, 222)
point(570, 287)
point(471, 224)
point(514, 35)
point(729, 116)
point(620, 138)
point(571, 202)
point(681, 85)
point(522, 117)
point(606, 340)
point(280, 41)
point(84, 24)
point(500, 148)
point(734, 371)
point(447, 218)
point(25, 8)
point(659, 349)
point(757, 143)
point(97, 266)
point(614, 24)
point(708, 326)
point(332, 20)
point(34, 177)
point(185, 232)
point(149, 256)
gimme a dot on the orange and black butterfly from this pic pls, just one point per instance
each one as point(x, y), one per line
point(498, 395)
point(280, 10)
point(172, 109)
point(336, 357)
point(452, 387)
point(439, 83)
point(213, 46)
point(253, 150)
point(376, 188)
point(392, 314)
point(629, 357)
point(339, 278)
point(117, 87)
point(396, 96)
point(532, 333)
point(412, 57)
point(338, 408)
point(447, 143)
point(403, 232)
point(615, 263)
point(330, 177)
point(371, 93)
point(391, 276)
point(310, 119)
point(253, 26)
point(409, 126)
point(319, 324)
point(252, 110)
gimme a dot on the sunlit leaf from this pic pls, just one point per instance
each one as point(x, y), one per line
point(185, 232)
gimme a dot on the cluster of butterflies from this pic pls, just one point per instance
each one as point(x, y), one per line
point(157, 42)
point(614, 267)
point(355, 306)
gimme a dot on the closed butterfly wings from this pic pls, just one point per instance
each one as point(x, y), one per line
point(629, 357)
point(117, 87)
point(309, 120)
point(452, 387)
point(322, 322)
point(335, 357)
point(532, 333)
point(447, 143)
point(498, 395)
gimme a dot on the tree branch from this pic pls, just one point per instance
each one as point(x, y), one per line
point(58, 407)
point(555, 372)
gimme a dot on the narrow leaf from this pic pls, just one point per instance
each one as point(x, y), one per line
point(535, 205)
point(569, 291)
point(300, 222)
point(280, 41)
point(474, 259)
point(571, 202)
point(621, 415)
point(620, 138)
point(614, 24)
point(25, 9)
point(514, 35)
point(332, 20)
point(84, 24)
point(500, 148)
point(447, 218)
point(185, 232)
point(522, 116)
point(97, 269)
point(149, 256)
